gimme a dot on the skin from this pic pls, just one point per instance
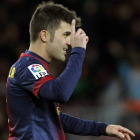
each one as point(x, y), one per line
point(119, 131)
point(57, 49)
point(64, 36)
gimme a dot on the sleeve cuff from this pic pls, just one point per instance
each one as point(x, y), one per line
point(78, 50)
point(103, 131)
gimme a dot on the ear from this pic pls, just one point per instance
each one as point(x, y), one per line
point(44, 36)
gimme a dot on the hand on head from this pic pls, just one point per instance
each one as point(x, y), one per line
point(78, 38)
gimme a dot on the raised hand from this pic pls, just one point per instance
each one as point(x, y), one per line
point(78, 38)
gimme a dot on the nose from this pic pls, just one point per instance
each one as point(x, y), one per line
point(68, 40)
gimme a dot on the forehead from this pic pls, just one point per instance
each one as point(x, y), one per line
point(64, 26)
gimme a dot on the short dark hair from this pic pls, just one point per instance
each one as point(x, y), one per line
point(48, 16)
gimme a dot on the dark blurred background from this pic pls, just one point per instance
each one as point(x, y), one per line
point(109, 88)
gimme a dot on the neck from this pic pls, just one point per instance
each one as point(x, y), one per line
point(40, 49)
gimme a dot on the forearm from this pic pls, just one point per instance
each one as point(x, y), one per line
point(82, 127)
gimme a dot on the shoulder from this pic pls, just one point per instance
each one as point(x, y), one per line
point(31, 67)
point(26, 61)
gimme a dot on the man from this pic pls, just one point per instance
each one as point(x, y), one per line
point(33, 93)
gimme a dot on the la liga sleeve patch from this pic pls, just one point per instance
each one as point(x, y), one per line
point(37, 70)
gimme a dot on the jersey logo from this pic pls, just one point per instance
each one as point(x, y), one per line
point(37, 70)
point(12, 72)
point(58, 110)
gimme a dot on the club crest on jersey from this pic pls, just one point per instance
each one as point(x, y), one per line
point(37, 70)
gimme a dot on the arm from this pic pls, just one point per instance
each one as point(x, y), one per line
point(82, 127)
point(61, 88)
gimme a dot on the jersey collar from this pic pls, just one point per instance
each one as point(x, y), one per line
point(36, 55)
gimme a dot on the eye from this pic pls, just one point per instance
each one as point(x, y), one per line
point(65, 35)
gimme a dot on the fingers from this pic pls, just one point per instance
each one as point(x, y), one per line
point(124, 133)
point(87, 39)
point(120, 135)
point(73, 27)
point(125, 130)
point(119, 131)
point(127, 137)
point(78, 38)
point(80, 32)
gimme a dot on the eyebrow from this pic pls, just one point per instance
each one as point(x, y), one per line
point(67, 33)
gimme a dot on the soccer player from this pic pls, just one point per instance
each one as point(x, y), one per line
point(33, 94)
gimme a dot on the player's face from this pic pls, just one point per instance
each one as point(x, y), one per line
point(57, 49)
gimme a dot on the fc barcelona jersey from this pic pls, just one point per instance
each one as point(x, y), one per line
point(33, 97)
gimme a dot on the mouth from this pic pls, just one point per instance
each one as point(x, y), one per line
point(65, 50)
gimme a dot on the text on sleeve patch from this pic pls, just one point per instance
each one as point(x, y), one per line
point(37, 70)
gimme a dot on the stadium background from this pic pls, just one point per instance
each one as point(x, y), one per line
point(109, 88)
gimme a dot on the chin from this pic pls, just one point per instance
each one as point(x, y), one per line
point(63, 59)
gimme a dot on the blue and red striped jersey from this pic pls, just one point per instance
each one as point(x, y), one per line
point(33, 97)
